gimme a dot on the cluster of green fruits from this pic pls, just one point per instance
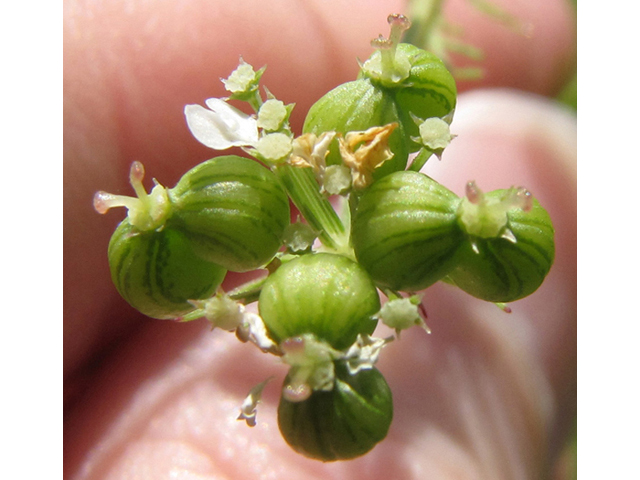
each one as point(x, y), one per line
point(321, 300)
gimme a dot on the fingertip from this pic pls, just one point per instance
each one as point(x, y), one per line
point(505, 138)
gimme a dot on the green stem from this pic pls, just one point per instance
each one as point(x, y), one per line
point(420, 160)
point(248, 292)
point(314, 207)
point(424, 15)
point(255, 101)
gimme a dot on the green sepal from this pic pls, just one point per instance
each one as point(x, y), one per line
point(157, 272)
point(405, 231)
point(233, 210)
point(327, 295)
point(340, 424)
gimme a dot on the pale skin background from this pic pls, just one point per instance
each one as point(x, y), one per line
point(486, 395)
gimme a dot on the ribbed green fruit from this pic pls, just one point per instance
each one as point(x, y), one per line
point(324, 294)
point(405, 231)
point(156, 272)
point(233, 210)
point(504, 271)
point(358, 106)
point(429, 91)
point(343, 423)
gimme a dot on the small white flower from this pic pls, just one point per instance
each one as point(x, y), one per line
point(248, 410)
point(242, 79)
point(337, 179)
point(402, 313)
point(435, 133)
point(364, 353)
point(299, 237)
point(221, 311)
point(252, 329)
point(311, 362)
point(222, 126)
point(274, 147)
point(272, 115)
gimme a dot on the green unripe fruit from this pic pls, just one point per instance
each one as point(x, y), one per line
point(405, 231)
point(422, 87)
point(233, 210)
point(324, 294)
point(428, 91)
point(358, 106)
point(400, 83)
point(343, 423)
point(157, 272)
point(512, 264)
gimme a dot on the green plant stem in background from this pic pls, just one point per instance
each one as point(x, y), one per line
point(425, 16)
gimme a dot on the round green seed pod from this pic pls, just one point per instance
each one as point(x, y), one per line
point(343, 423)
point(233, 210)
point(426, 90)
point(507, 268)
point(324, 294)
point(157, 272)
point(429, 91)
point(405, 231)
point(358, 106)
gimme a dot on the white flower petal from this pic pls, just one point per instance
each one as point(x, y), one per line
point(364, 353)
point(252, 329)
point(248, 410)
point(221, 127)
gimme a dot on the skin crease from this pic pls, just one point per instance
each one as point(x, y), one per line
point(154, 399)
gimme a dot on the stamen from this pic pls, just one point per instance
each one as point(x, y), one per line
point(399, 24)
point(525, 199)
point(473, 193)
point(297, 393)
point(136, 175)
point(103, 201)
point(389, 67)
point(504, 307)
point(311, 362)
point(381, 43)
point(146, 211)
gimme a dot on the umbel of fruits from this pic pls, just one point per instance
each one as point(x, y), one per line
point(324, 294)
point(509, 246)
point(405, 231)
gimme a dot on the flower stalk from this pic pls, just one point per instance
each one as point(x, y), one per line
point(303, 189)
